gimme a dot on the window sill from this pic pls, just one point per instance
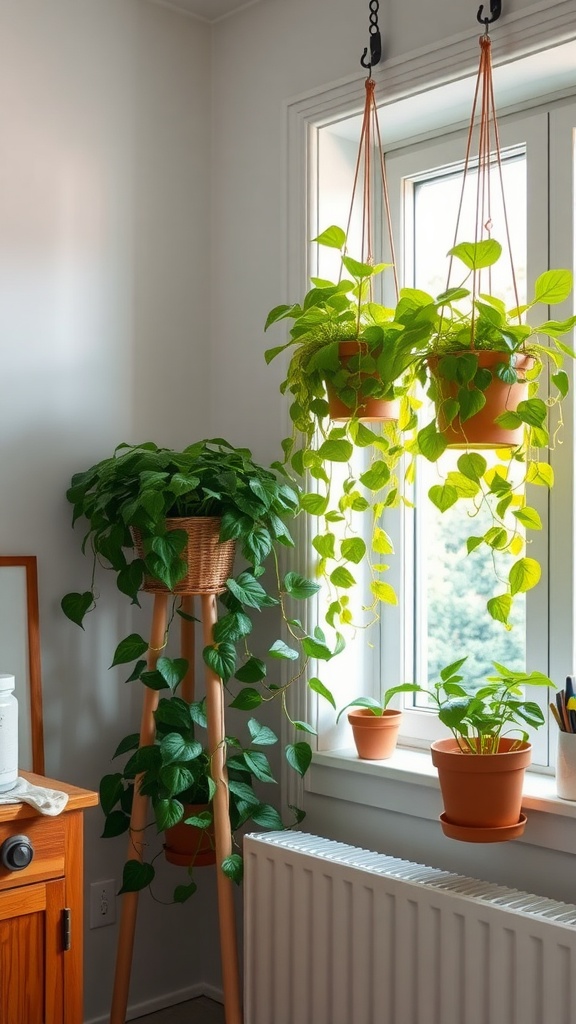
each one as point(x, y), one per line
point(407, 783)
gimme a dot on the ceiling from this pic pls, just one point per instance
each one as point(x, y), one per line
point(208, 10)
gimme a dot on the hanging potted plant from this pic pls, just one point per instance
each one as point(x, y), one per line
point(345, 364)
point(385, 342)
point(136, 504)
point(375, 726)
point(487, 371)
point(348, 360)
point(481, 768)
point(486, 375)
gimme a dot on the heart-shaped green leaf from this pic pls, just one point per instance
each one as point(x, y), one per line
point(299, 756)
point(134, 646)
point(75, 606)
point(136, 876)
point(524, 574)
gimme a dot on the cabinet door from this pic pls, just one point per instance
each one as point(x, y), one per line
point(31, 954)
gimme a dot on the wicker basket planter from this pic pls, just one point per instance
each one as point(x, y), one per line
point(210, 563)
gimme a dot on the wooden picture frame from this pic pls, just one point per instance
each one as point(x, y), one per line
point(20, 653)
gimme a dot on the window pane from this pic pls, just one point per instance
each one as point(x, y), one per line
point(436, 201)
point(452, 587)
point(454, 619)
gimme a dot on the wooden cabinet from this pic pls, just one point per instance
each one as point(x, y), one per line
point(41, 913)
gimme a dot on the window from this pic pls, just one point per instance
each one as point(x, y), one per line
point(441, 613)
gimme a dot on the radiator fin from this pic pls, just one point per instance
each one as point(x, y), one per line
point(339, 935)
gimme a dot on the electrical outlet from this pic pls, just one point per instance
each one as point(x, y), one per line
point(102, 903)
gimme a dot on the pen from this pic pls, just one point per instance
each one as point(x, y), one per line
point(554, 711)
point(562, 711)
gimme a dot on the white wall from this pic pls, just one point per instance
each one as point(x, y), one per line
point(104, 232)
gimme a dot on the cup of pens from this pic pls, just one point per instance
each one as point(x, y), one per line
point(564, 711)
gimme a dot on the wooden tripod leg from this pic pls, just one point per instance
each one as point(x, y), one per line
point(187, 647)
point(223, 835)
point(137, 823)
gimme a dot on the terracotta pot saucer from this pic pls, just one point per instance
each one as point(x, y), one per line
point(466, 834)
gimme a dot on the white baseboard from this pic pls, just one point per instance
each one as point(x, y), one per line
point(161, 1002)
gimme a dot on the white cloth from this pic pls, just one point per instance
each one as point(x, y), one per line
point(47, 801)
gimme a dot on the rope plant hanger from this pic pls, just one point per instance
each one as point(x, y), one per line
point(369, 137)
point(488, 143)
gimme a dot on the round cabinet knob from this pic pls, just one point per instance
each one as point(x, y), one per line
point(16, 853)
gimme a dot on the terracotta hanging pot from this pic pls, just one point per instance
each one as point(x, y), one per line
point(371, 410)
point(481, 431)
point(375, 736)
point(209, 562)
point(482, 793)
point(188, 845)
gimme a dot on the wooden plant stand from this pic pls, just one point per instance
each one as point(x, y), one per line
point(223, 835)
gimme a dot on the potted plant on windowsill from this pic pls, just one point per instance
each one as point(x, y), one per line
point(481, 768)
point(487, 374)
point(142, 505)
point(345, 352)
point(375, 726)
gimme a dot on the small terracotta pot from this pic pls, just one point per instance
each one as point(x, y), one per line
point(480, 431)
point(375, 736)
point(481, 791)
point(188, 845)
point(372, 410)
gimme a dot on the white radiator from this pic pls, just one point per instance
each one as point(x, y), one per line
point(339, 935)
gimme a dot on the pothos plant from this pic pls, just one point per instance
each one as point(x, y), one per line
point(175, 773)
point(142, 487)
point(479, 716)
point(378, 707)
point(450, 366)
point(347, 493)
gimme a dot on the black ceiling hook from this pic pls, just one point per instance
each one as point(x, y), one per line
point(375, 52)
point(375, 39)
point(495, 12)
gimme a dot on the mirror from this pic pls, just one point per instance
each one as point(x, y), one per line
point(20, 653)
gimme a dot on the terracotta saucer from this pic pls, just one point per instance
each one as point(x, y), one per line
point(466, 834)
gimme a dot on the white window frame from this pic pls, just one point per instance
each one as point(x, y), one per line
point(410, 781)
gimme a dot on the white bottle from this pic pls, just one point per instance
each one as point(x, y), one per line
point(8, 734)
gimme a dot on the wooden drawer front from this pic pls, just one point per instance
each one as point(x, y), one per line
point(32, 955)
point(47, 836)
